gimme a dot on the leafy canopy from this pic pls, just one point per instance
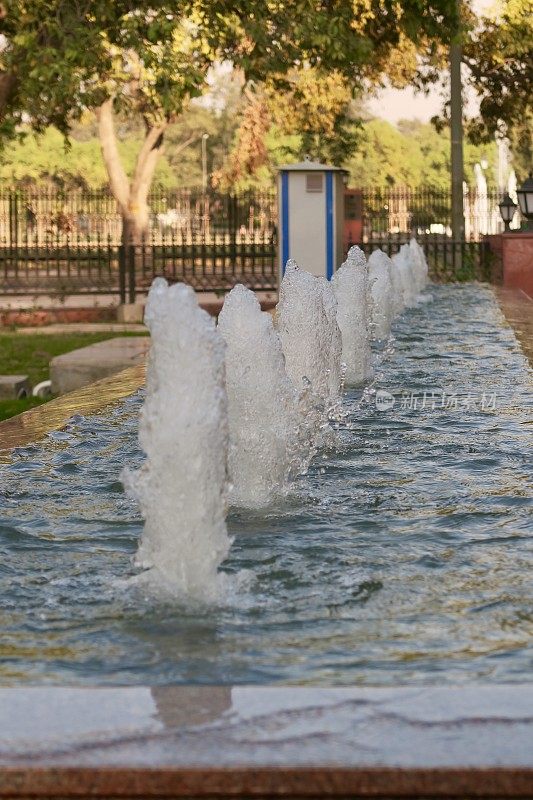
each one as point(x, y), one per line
point(499, 54)
point(152, 57)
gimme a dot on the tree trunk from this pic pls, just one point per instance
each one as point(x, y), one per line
point(118, 179)
point(135, 223)
point(7, 87)
point(136, 249)
point(131, 196)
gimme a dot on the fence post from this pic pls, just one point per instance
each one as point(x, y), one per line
point(122, 273)
point(13, 220)
point(233, 233)
point(486, 262)
point(131, 272)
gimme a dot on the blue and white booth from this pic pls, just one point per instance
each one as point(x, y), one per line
point(311, 216)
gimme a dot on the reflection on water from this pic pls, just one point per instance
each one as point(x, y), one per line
point(403, 557)
point(187, 706)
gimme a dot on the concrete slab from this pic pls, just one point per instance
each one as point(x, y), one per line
point(14, 386)
point(86, 365)
point(131, 313)
point(82, 327)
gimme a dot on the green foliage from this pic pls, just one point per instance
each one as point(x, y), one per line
point(43, 159)
point(219, 118)
point(147, 60)
point(67, 58)
point(385, 157)
point(153, 57)
point(10, 408)
point(320, 107)
point(413, 154)
point(520, 137)
point(249, 153)
point(30, 353)
point(499, 54)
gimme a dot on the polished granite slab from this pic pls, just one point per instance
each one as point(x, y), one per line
point(252, 741)
point(34, 424)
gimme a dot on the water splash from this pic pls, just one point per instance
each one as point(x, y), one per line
point(335, 370)
point(307, 326)
point(311, 342)
point(351, 287)
point(397, 288)
point(379, 269)
point(264, 418)
point(283, 393)
point(182, 486)
point(420, 265)
point(403, 263)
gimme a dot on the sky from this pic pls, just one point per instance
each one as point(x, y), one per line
point(396, 104)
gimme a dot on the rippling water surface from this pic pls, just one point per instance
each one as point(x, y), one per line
point(403, 557)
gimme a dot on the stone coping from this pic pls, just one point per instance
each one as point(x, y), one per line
point(224, 741)
point(32, 425)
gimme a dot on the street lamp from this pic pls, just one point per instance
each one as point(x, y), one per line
point(507, 210)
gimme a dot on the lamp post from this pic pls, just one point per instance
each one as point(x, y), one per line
point(456, 131)
point(525, 199)
point(507, 211)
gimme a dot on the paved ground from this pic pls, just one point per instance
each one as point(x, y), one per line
point(517, 307)
point(86, 327)
point(251, 742)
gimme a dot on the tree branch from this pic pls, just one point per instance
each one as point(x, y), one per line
point(147, 158)
point(186, 143)
point(118, 180)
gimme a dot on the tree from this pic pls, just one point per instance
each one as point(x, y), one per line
point(150, 58)
point(44, 160)
point(499, 54)
point(320, 107)
point(249, 152)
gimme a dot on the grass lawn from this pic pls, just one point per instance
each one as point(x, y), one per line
point(30, 354)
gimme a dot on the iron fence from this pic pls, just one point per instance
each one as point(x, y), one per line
point(448, 260)
point(428, 212)
point(71, 244)
point(214, 264)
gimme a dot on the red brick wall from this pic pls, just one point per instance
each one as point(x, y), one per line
point(50, 316)
point(513, 257)
point(517, 256)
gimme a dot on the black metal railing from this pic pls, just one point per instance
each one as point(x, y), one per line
point(61, 244)
point(428, 212)
point(448, 260)
point(215, 263)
